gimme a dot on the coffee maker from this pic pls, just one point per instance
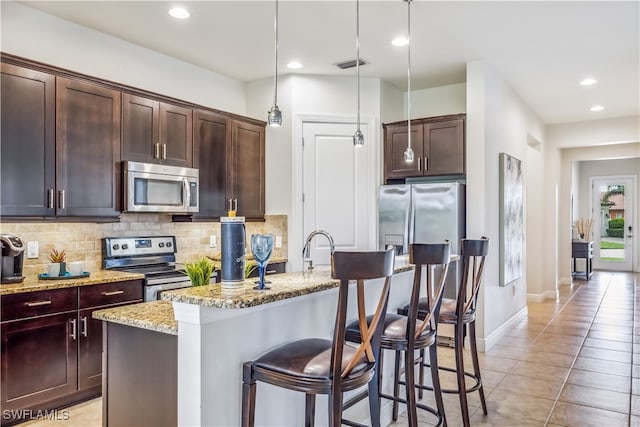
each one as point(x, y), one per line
point(12, 258)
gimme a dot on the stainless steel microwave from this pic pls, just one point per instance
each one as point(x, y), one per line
point(159, 188)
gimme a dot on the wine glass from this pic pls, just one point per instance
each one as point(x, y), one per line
point(261, 248)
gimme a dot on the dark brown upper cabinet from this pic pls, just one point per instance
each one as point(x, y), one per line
point(156, 132)
point(246, 161)
point(27, 170)
point(87, 149)
point(211, 134)
point(438, 144)
point(230, 156)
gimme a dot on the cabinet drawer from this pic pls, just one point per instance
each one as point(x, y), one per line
point(275, 268)
point(110, 293)
point(29, 304)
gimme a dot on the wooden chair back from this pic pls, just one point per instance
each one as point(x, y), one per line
point(427, 255)
point(473, 253)
point(358, 267)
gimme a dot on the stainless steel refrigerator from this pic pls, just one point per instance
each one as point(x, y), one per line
point(424, 213)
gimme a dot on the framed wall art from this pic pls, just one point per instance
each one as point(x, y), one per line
point(511, 219)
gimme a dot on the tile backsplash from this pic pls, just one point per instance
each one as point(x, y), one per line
point(83, 241)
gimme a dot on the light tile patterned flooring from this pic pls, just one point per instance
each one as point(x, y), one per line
point(571, 362)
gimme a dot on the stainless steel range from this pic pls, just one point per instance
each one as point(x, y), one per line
point(155, 257)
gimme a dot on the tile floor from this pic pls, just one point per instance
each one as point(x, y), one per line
point(571, 362)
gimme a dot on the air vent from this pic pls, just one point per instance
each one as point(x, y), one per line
point(350, 64)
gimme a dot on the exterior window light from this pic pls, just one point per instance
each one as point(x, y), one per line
point(274, 118)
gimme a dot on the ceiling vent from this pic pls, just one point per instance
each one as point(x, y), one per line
point(350, 64)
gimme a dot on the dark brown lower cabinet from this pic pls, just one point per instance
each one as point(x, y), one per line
point(141, 377)
point(52, 350)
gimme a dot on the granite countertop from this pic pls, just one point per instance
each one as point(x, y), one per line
point(158, 315)
point(32, 283)
point(283, 286)
point(155, 316)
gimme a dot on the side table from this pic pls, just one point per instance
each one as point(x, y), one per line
point(582, 250)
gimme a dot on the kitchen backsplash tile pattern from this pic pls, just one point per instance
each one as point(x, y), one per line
point(82, 241)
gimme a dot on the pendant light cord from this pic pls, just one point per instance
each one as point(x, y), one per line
point(409, 74)
point(358, 55)
point(275, 73)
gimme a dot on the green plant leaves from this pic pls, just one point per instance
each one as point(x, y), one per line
point(199, 271)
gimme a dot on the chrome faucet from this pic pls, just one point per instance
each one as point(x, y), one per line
point(307, 246)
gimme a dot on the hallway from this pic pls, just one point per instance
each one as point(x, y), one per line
point(571, 362)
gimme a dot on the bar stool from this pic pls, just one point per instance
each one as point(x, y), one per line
point(330, 366)
point(405, 333)
point(460, 313)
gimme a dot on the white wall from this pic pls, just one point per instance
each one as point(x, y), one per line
point(438, 101)
point(498, 121)
point(35, 35)
point(392, 103)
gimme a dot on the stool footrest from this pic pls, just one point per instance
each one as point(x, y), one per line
point(474, 387)
point(355, 399)
point(418, 405)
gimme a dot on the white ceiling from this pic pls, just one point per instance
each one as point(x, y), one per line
point(543, 49)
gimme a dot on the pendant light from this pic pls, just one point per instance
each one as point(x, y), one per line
point(408, 154)
point(358, 137)
point(274, 117)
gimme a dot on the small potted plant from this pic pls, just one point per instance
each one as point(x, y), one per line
point(249, 267)
point(199, 271)
point(59, 257)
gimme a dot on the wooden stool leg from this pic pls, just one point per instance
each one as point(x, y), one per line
point(335, 409)
point(374, 395)
point(435, 380)
point(396, 385)
point(423, 362)
point(476, 364)
point(410, 388)
point(309, 410)
point(248, 396)
point(462, 388)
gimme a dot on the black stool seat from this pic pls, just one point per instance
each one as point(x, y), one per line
point(448, 312)
point(394, 334)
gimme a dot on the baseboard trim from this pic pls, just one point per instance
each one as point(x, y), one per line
point(549, 294)
point(485, 344)
point(565, 281)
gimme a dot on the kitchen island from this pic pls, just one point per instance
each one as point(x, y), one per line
point(219, 329)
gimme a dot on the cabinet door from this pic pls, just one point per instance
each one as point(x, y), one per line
point(39, 360)
point(444, 148)
point(247, 169)
point(140, 125)
point(176, 141)
point(395, 144)
point(211, 134)
point(87, 149)
point(27, 172)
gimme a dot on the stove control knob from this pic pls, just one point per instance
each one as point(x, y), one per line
point(115, 247)
point(161, 244)
point(125, 246)
point(168, 244)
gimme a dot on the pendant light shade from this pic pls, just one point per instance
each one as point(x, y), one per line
point(358, 137)
point(274, 117)
point(408, 154)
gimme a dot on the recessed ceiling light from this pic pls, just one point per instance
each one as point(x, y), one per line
point(179, 12)
point(400, 41)
point(294, 65)
point(597, 108)
point(588, 82)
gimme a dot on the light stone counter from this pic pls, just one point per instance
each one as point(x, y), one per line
point(33, 284)
point(155, 316)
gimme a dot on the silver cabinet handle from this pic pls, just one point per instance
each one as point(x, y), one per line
point(50, 196)
point(73, 329)
point(83, 332)
point(230, 204)
point(426, 163)
point(419, 163)
point(156, 150)
point(37, 303)
point(270, 271)
point(61, 199)
point(111, 293)
point(235, 205)
point(164, 151)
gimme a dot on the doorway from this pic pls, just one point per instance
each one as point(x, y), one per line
point(613, 214)
point(338, 187)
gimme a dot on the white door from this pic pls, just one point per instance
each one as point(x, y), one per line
point(336, 188)
point(613, 216)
